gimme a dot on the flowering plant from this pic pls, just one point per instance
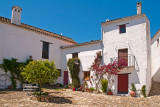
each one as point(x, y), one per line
point(109, 70)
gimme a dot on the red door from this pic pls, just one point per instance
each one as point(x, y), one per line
point(123, 55)
point(123, 83)
point(65, 79)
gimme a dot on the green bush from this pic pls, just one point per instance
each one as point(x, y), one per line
point(76, 82)
point(133, 87)
point(92, 89)
point(74, 68)
point(104, 84)
point(143, 91)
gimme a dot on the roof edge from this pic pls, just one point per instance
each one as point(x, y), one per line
point(81, 44)
point(122, 19)
point(37, 30)
point(155, 34)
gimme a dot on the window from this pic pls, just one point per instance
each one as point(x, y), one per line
point(157, 42)
point(75, 55)
point(122, 28)
point(19, 11)
point(87, 75)
point(15, 9)
point(45, 50)
point(59, 72)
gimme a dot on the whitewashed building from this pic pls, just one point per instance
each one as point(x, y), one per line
point(19, 40)
point(155, 52)
point(127, 37)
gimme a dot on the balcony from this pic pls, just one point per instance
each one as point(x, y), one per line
point(128, 60)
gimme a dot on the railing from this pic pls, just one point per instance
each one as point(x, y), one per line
point(129, 60)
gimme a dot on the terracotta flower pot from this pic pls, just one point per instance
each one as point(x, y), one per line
point(109, 93)
point(9, 87)
point(132, 93)
point(74, 89)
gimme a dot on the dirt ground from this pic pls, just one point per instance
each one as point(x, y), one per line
point(71, 98)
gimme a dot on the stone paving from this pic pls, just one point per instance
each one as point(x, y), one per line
point(71, 98)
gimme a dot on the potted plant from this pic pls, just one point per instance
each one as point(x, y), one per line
point(73, 88)
point(9, 87)
point(109, 92)
point(92, 89)
point(143, 91)
point(133, 89)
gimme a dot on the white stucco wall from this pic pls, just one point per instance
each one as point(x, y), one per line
point(20, 44)
point(86, 54)
point(155, 52)
point(136, 40)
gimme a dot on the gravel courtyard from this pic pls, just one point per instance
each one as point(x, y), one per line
point(70, 98)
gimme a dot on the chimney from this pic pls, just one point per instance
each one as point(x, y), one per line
point(16, 15)
point(139, 8)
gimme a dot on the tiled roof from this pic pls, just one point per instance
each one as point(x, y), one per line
point(155, 34)
point(37, 30)
point(81, 44)
point(107, 22)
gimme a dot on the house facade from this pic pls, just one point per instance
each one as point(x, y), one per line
point(18, 40)
point(155, 57)
point(127, 38)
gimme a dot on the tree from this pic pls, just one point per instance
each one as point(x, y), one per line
point(40, 72)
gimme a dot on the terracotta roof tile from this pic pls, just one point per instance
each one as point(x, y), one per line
point(121, 19)
point(37, 30)
point(155, 34)
point(81, 44)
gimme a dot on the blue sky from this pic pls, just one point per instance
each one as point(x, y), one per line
point(79, 19)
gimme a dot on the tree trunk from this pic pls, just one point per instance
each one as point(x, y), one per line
point(40, 86)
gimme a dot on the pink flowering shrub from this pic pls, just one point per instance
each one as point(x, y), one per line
point(110, 69)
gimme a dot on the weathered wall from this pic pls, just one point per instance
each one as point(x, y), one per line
point(136, 40)
point(20, 44)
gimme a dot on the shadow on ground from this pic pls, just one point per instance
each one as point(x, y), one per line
point(155, 89)
point(60, 100)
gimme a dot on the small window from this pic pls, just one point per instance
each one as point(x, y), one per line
point(157, 42)
point(59, 72)
point(15, 9)
point(75, 55)
point(87, 75)
point(19, 11)
point(122, 28)
point(45, 50)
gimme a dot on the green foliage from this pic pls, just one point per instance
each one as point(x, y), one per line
point(74, 68)
point(40, 72)
point(92, 89)
point(76, 82)
point(38, 94)
point(143, 91)
point(109, 90)
point(104, 84)
point(15, 69)
point(133, 87)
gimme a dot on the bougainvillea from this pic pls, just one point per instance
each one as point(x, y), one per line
point(109, 69)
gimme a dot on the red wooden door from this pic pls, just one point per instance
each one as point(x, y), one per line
point(123, 55)
point(123, 83)
point(65, 79)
